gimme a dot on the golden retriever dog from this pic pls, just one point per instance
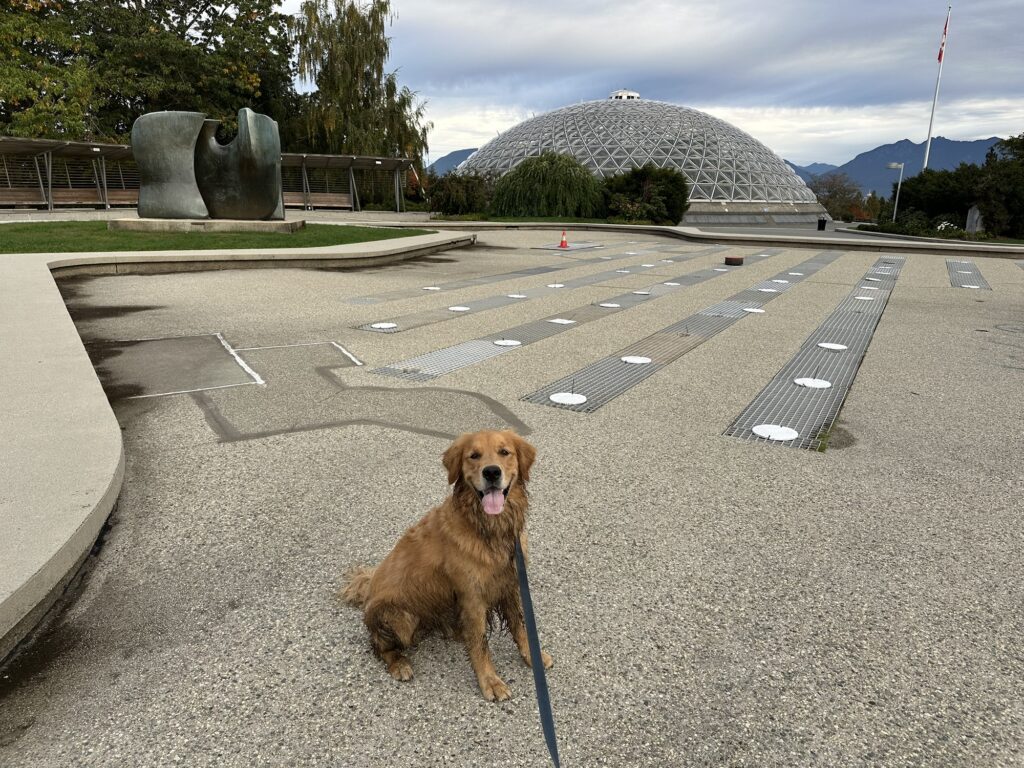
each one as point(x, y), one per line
point(454, 571)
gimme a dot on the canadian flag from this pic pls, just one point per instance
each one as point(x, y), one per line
point(942, 45)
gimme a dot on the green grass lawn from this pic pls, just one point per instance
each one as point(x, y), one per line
point(78, 236)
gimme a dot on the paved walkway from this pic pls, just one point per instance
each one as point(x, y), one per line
point(707, 601)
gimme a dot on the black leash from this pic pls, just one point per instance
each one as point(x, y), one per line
point(547, 721)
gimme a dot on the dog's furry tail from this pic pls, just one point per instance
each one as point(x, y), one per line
point(356, 588)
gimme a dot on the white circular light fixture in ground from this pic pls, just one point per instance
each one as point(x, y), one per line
point(561, 321)
point(431, 288)
point(609, 304)
point(642, 293)
point(384, 326)
point(768, 290)
point(635, 359)
point(568, 398)
point(754, 310)
point(775, 432)
point(832, 346)
point(507, 343)
point(720, 269)
point(670, 283)
point(870, 288)
point(963, 271)
point(622, 271)
point(646, 265)
point(873, 279)
point(458, 308)
point(780, 281)
point(864, 298)
point(812, 383)
point(556, 285)
point(667, 261)
point(970, 286)
point(517, 295)
point(631, 253)
point(796, 274)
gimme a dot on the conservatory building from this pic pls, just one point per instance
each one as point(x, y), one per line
point(733, 178)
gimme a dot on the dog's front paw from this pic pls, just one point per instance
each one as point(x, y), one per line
point(401, 669)
point(495, 690)
point(544, 657)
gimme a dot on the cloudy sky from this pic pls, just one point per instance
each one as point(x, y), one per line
point(813, 81)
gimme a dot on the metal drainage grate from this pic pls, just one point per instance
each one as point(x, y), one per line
point(810, 411)
point(442, 361)
point(965, 274)
point(404, 293)
point(606, 379)
point(441, 314)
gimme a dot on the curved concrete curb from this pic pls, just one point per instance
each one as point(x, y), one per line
point(61, 449)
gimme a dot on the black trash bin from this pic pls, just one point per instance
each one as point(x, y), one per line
point(821, 224)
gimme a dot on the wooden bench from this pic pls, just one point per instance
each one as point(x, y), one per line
point(21, 196)
point(318, 200)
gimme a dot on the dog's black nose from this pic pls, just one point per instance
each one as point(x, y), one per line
point(492, 474)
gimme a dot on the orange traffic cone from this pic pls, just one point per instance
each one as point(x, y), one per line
point(564, 243)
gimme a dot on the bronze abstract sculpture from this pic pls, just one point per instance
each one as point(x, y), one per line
point(185, 173)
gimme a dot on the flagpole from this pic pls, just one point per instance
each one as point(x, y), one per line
point(938, 79)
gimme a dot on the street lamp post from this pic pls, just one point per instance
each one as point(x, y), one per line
point(899, 184)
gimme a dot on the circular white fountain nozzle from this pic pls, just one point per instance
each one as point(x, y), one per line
point(776, 432)
point(635, 359)
point(812, 383)
point(609, 304)
point(431, 288)
point(754, 310)
point(458, 309)
point(832, 346)
point(568, 398)
point(384, 326)
point(516, 295)
point(507, 343)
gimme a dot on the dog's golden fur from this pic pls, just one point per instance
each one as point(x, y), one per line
point(454, 570)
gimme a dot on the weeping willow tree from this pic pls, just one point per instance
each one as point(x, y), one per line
point(357, 108)
point(548, 185)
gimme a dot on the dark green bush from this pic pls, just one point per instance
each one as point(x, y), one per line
point(458, 194)
point(647, 194)
point(548, 185)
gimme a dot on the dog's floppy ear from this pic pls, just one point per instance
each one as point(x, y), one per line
point(525, 454)
point(452, 458)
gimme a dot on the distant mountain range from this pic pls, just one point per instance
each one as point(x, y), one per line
point(868, 169)
point(449, 162)
point(870, 172)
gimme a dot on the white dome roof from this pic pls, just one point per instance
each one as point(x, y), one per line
point(609, 136)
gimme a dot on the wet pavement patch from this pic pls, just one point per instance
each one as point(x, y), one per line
point(150, 367)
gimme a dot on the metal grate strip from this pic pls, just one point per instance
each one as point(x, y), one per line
point(965, 274)
point(440, 362)
point(404, 293)
point(608, 378)
point(811, 412)
point(441, 314)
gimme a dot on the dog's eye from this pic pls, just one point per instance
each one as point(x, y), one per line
point(504, 452)
point(475, 455)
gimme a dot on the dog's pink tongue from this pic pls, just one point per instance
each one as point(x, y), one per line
point(494, 502)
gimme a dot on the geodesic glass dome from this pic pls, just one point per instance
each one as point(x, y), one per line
point(609, 136)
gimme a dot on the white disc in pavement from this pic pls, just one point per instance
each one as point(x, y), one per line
point(667, 261)
point(516, 295)
point(755, 310)
point(568, 398)
point(864, 298)
point(775, 432)
point(458, 309)
point(811, 383)
point(870, 288)
point(670, 283)
point(768, 290)
point(642, 293)
point(384, 326)
point(720, 269)
point(780, 281)
point(832, 346)
point(622, 271)
point(561, 321)
point(873, 279)
point(609, 304)
point(507, 343)
point(646, 265)
point(635, 360)
point(797, 274)
point(431, 288)
point(963, 271)
point(970, 286)
point(631, 253)
point(556, 285)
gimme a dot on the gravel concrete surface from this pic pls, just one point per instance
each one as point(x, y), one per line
point(707, 601)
